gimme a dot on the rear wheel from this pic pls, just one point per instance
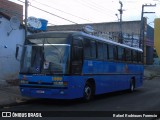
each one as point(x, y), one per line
point(88, 92)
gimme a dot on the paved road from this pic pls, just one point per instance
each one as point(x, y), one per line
point(146, 98)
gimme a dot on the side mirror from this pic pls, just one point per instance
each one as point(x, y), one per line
point(18, 53)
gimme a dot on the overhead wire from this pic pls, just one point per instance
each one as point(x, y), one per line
point(101, 12)
point(50, 13)
point(62, 11)
point(99, 7)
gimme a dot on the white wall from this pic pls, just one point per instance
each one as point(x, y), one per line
point(9, 66)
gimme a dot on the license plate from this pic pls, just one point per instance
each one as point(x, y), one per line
point(40, 91)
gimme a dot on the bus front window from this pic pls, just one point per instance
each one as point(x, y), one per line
point(46, 58)
point(55, 58)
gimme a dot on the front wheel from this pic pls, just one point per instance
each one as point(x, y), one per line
point(88, 92)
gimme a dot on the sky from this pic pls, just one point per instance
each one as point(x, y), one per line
point(90, 11)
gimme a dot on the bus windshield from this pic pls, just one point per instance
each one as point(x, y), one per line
point(46, 56)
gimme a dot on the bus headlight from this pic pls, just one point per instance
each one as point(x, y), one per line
point(23, 82)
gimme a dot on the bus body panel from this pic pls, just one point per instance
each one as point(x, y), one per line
point(74, 88)
point(108, 77)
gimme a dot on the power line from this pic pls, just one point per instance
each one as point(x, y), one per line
point(93, 8)
point(63, 11)
point(50, 13)
point(98, 7)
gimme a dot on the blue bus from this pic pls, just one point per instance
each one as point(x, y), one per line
point(74, 64)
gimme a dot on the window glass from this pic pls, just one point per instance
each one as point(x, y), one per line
point(121, 55)
point(139, 57)
point(87, 48)
point(134, 56)
point(93, 49)
point(110, 52)
point(115, 52)
point(105, 51)
point(128, 54)
point(100, 50)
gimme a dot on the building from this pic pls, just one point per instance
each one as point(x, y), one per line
point(11, 9)
point(149, 45)
point(157, 41)
point(131, 34)
point(11, 34)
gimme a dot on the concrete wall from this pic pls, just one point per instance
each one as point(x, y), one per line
point(9, 66)
point(127, 27)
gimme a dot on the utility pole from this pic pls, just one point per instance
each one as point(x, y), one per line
point(26, 16)
point(121, 12)
point(142, 31)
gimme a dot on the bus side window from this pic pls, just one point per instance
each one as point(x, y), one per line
point(99, 50)
point(77, 48)
point(121, 54)
point(139, 57)
point(115, 52)
point(105, 51)
point(128, 55)
point(134, 56)
point(93, 49)
point(77, 56)
point(87, 48)
point(110, 52)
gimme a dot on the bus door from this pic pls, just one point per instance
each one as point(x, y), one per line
point(77, 56)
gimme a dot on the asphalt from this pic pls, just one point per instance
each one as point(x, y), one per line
point(10, 95)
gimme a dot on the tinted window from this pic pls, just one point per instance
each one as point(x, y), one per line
point(77, 53)
point(121, 55)
point(87, 48)
point(128, 54)
point(115, 52)
point(134, 56)
point(77, 50)
point(110, 52)
point(77, 42)
point(105, 51)
point(100, 50)
point(93, 49)
point(139, 57)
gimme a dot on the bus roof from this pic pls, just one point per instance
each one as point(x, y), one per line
point(67, 33)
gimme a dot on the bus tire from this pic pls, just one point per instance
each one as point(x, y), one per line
point(132, 86)
point(88, 92)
